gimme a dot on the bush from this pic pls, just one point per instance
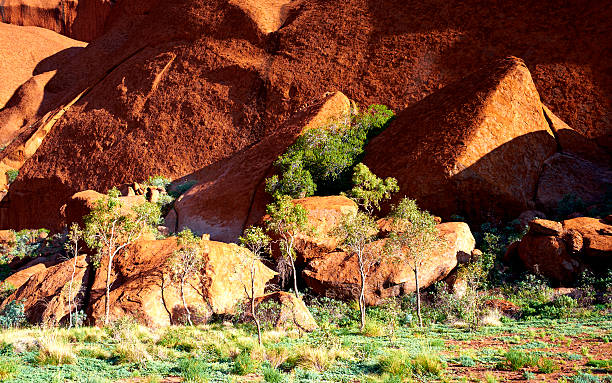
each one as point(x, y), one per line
point(272, 375)
point(321, 159)
point(53, 350)
point(569, 204)
point(11, 175)
point(517, 359)
point(194, 370)
point(547, 366)
point(13, 315)
point(8, 369)
point(428, 364)
point(396, 363)
point(244, 364)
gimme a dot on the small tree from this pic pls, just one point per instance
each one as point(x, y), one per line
point(355, 232)
point(255, 240)
point(74, 236)
point(186, 261)
point(109, 230)
point(286, 220)
point(369, 190)
point(414, 235)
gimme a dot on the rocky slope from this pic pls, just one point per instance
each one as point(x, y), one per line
point(174, 87)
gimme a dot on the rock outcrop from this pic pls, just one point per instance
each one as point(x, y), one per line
point(81, 204)
point(229, 195)
point(46, 293)
point(79, 19)
point(285, 311)
point(142, 289)
point(336, 274)
point(474, 148)
point(173, 87)
point(560, 251)
point(21, 277)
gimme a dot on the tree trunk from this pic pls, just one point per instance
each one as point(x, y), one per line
point(70, 287)
point(295, 288)
point(185, 303)
point(253, 303)
point(108, 276)
point(418, 296)
point(362, 308)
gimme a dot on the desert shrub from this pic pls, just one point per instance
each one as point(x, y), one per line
point(179, 338)
point(582, 377)
point(570, 203)
point(272, 375)
point(277, 355)
point(547, 366)
point(466, 361)
point(180, 189)
point(493, 242)
point(427, 363)
point(373, 328)
point(314, 358)
point(321, 159)
point(244, 364)
point(194, 370)
point(54, 350)
point(396, 363)
point(94, 351)
point(8, 369)
point(12, 315)
point(517, 359)
point(11, 175)
point(331, 312)
point(159, 181)
point(28, 243)
point(603, 365)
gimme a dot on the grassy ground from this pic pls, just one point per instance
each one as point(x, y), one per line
point(538, 350)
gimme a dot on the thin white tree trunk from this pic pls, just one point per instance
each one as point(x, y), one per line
point(108, 277)
point(255, 318)
point(418, 295)
point(362, 292)
point(70, 287)
point(185, 303)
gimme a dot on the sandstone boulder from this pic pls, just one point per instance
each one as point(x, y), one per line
point(20, 277)
point(336, 275)
point(46, 293)
point(473, 148)
point(565, 174)
point(81, 204)
point(525, 217)
point(561, 255)
point(230, 195)
point(141, 285)
point(284, 311)
point(546, 227)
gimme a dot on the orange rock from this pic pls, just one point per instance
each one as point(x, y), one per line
point(596, 236)
point(291, 312)
point(141, 286)
point(230, 194)
point(545, 227)
point(45, 294)
point(337, 274)
point(80, 205)
point(82, 20)
point(547, 255)
point(20, 277)
point(473, 148)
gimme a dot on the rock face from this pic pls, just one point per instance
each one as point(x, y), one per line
point(336, 275)
point(21, 277)
point(80, 205)
point(287, 311)
point(141, 285)
point(82, 20)
point(474, 148)
point(560, 251)
point(173, 87)
point(566, 174)
point(229, 194)
point(46, 293)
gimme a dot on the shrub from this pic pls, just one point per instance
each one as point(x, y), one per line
point(159, 181)
point(321, 159)
point(8, 369)
point(547, 366)
point(569, 204)
point(272, 375)
point(373, 328)
point(396, 363)
point(517, 359)
point(604, 365)
point(11, 175)
point(13, 315)
point(244, 364)
point(428, 363)
point(194, 370)
point(315, 358)
point(466, 361)
point(53, 350)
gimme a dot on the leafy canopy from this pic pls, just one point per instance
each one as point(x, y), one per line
point(286, 219)
point(356, 231)
point(369, 190)
point(320, 160)
point(255, 239)
point(188, 258)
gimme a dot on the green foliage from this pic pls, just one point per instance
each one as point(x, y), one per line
point(369, 190)
point(186, 261)
point(518, 359)
point(547, 366)
point(493, 242)
point(602, 365)
point(320, 160)
point(272, 375)
point(12, 315)
point(159, 181)
point(570, 203)
point(28, 243)
point(182, 188)
point(11, 175)
point(244, 364)
point(8, 369)
point(255, 239)
point(194, 370)
point(466, 361)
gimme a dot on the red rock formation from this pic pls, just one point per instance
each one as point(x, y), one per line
point(336, 275)
point(82, 20)
point(474, 148)
point(290, 312)
point(45, 294)
point(230, 193)
point(141, 286)
point(174, 87)
point(19, 278)
point(80, 205)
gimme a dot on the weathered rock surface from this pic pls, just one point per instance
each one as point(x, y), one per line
point(474, 148)
point(546, 227)
point(80, 19)
point(230, 194)
point(46, 293)
point(165, 70)
point(141, 285)
point(561, 254)
point(20, 277)
point(566, 174)
point(81, 204)
point(336, 275)
point(288, 311)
